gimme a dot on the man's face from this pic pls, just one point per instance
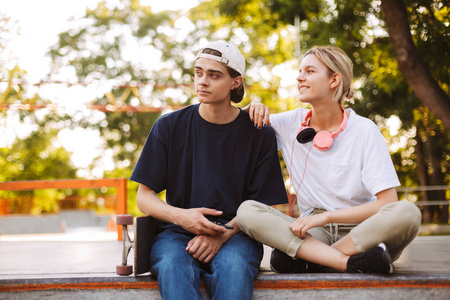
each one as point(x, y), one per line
point(212, 81)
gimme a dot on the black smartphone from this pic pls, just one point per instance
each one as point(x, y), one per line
point(223, 225)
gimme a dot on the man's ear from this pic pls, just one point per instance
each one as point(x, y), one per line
point(335, 80)
point(237, 82)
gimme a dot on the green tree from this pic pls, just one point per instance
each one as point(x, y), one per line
point(35, 157)
point(395, 72)
point(416, 72)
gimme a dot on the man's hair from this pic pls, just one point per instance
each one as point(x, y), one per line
point(237, 94)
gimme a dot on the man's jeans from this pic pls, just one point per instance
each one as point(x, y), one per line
point(229, 275)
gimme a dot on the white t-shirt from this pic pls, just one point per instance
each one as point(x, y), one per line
point(351, 173)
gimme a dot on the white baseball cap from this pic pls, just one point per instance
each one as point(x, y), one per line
point(231, 56)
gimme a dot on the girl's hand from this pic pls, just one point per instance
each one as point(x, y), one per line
point(302, 225)
point(259, 114)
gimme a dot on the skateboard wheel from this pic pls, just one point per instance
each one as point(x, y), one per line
point(124, 220)
point(124, 270)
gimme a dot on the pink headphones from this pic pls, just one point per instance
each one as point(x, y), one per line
point(323, 140)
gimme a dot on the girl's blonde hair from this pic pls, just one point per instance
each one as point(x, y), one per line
point(337, 62)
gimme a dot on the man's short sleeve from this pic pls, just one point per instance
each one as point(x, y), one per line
point(267, 184)
point(151, 168)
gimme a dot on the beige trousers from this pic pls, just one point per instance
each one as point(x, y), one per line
point(395, 224)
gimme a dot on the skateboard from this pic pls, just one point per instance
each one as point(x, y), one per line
point(145, 229)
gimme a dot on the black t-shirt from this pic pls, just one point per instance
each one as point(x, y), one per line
point(201, 164)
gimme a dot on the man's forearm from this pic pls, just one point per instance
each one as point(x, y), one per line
point(150, 204)
point(192, 219)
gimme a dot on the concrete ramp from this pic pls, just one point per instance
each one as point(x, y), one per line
point(53, 223)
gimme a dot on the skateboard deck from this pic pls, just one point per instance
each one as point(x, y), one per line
point(145, 230)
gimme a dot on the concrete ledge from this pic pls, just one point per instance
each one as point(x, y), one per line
point(267, 286)
point(350, 281)
point(263, 281)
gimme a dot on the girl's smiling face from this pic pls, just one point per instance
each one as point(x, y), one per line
point(314, 80)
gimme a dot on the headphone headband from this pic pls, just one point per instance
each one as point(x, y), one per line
point(343, 124)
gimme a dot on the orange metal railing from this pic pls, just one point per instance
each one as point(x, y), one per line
point(119, 183)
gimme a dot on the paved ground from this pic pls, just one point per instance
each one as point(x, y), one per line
point(83, 252)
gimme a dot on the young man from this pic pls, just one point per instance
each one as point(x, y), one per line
point(209, 158)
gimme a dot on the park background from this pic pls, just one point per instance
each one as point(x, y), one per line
point(79, 104)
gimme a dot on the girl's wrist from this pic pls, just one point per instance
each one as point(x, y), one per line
point(328, 217)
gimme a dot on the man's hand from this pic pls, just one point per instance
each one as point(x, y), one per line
point(205, 247)
point(194, 220)
point(302, 225)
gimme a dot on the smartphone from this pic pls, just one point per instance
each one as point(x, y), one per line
point(223, 225)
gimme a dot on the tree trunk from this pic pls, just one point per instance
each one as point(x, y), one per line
point(438, 212)
point(422, 171)
point(413, 68)
point(438, 179)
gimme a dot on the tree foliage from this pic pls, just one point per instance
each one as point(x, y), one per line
point(127, 43)
point(359, 29)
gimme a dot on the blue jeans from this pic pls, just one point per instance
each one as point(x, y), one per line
point(229, 275)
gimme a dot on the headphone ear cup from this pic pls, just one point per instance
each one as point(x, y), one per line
point(323, 140)
point(306, 135)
